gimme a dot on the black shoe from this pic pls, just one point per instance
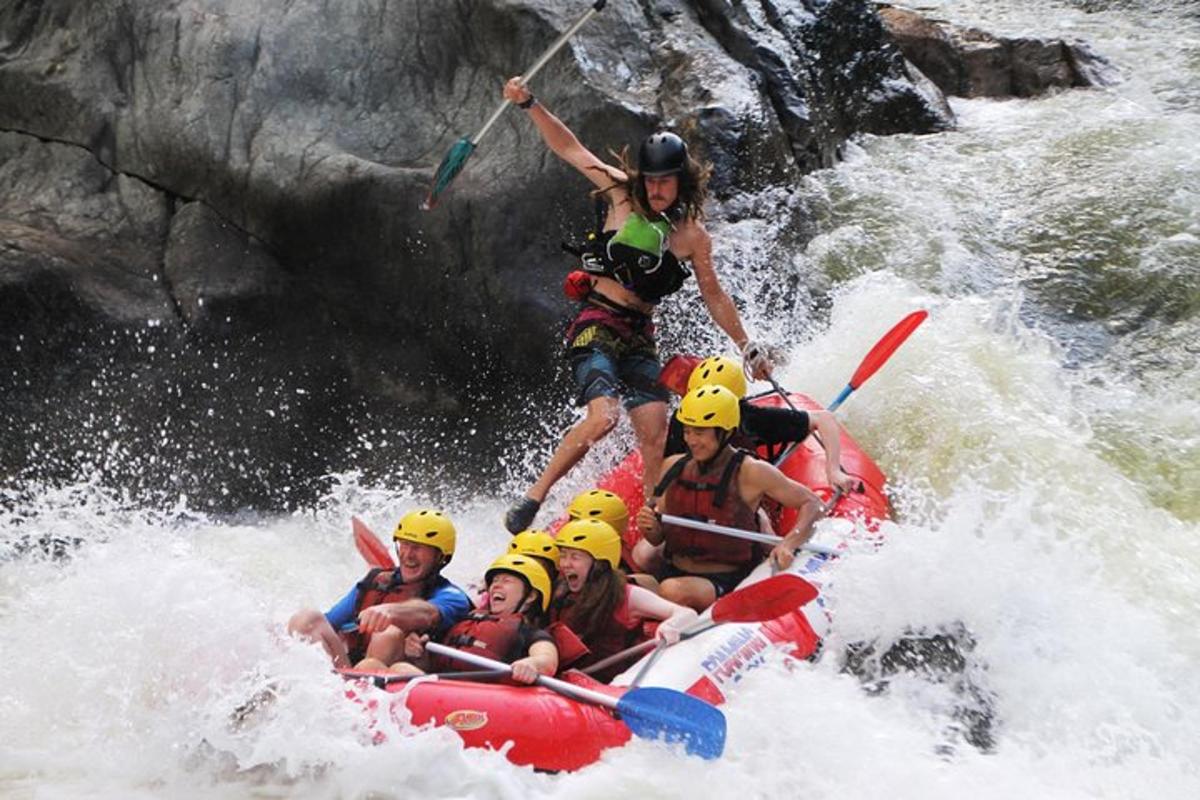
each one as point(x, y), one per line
point(520, 514)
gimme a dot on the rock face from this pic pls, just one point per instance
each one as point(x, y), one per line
point(197, 179)
point(968, 62)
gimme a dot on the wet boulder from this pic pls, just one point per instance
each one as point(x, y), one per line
point(968, 62)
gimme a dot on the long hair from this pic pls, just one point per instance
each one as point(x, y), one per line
point(693, 188)
point(533, 614)
point(590, 609)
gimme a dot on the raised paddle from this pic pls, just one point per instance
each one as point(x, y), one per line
point(651, 713)
point(456, 159)
point(876, 358)
point(369, 547)
point(880, 353)
point(758, 602)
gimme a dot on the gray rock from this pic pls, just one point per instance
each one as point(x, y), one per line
point(216, 273)
point(68, 221)
point(227, 171)
point(968, 62)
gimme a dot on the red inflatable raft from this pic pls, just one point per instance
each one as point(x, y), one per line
point(548, 731)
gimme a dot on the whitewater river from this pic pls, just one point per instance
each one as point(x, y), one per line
point(1042, 431)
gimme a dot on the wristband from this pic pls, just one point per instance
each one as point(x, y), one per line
point(528, 104)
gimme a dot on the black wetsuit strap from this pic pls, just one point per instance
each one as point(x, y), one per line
point(672, 475)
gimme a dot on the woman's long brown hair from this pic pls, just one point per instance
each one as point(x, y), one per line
point(590, 609)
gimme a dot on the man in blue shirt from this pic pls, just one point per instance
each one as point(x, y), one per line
point(371, 621)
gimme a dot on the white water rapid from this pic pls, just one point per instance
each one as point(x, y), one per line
point(1041, 431)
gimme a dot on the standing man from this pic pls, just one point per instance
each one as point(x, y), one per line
point(652, 227)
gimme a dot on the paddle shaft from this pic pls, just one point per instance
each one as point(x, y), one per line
point(646, 647)
point(562, 687)
point(738, 533)
point(474, 676)
point(661, 645)
point(541, 62)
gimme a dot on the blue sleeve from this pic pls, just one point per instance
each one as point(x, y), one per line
point(342, 612)
point(452, 604)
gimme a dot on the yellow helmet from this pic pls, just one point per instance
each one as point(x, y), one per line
point(722, 371)
point(533, 543)
point(710, 406)
point(528, 568)
point(602, 505)
point(593, 536)
point(427, 526)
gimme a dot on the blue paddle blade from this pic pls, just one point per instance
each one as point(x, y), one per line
point(655, 712)
point(451, 165)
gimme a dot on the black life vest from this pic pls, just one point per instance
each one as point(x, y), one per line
point(650, 275)
point(708, 496)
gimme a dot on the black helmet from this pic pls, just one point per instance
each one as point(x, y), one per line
point(662, 153)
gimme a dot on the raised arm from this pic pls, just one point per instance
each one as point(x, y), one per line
point(561, 141)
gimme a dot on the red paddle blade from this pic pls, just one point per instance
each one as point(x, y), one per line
point(884, 348)
point(369, 547)
point(764, 600)
point(675, 373)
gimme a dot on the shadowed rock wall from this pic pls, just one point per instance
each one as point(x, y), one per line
point(196, 180)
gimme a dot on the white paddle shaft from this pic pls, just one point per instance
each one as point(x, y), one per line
point(562, 687)
point(738, 533)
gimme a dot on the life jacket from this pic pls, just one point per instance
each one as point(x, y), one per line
point(708, 496)
point(635, 256)
point(378, 587)
point(621, 631)
point(496, 636)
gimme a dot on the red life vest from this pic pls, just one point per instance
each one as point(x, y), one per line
point(621, 631)
point(496, 636)
point(380, 586)
point(711, 496)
